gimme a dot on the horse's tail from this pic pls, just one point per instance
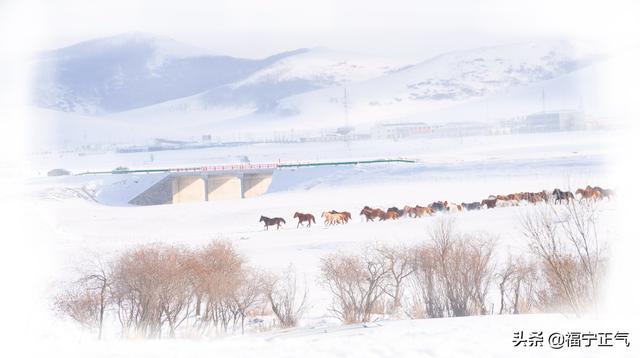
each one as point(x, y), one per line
point(313, 218)
point(283, 221)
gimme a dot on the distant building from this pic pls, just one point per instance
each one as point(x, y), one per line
point(554, 121)
point(400, 130)
point(462, 129)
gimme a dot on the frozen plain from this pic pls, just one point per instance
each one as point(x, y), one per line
point(455, 169)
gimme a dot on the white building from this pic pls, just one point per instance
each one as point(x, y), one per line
point(553, 121)
point(400, 130)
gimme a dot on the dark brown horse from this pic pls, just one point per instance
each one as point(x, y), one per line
point(422, 210)
point(371, 214)
point(271, 221)
point(589, 193)
point(391, 214)
point(490, 203)
point(345, 215)
point(604, 193)
point(560, 195)
point(304, 217)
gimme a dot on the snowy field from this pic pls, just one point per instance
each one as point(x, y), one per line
point(89, 214)
point(480, 336)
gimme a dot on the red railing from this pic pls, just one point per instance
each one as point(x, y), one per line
point(226, 167)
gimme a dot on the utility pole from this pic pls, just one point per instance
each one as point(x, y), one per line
point(346, 119)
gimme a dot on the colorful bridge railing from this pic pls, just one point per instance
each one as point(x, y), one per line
point(248, 166)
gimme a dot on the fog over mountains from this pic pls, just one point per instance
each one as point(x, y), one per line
point(159, 82)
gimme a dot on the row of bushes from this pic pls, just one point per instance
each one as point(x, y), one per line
point(156, 288)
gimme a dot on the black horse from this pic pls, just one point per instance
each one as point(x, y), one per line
point(271, 221)
point(437, 206)
point(472, 206)
point(400, 212)
point(561, 195)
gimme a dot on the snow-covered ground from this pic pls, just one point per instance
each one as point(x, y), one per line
point(486, 336)
point(455, 169)
point(454, 150)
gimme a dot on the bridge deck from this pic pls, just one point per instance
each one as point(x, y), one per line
point(248, 167)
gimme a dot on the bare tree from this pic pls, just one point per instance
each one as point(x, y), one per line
point(281, 292)
point(566, 241)
point(517, 284)
point(174, 294)
point(216, 273)
point(246, 296)
point(400, 265)
point(426, 298)
point(580, 227)
point(86, 300)
point(453, 272)
point(151, 289)
point(356, 283)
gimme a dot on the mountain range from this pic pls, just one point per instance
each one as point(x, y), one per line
point(148, 80)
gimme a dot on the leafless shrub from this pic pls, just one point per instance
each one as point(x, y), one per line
point(80, 304)
point(425, 293)
point(245, 297)
point(86, 300)
point(281, 292)
point(155, 289)
point(452, 273)
point(356, 283)
point(400, 265)
point(136, 289)
point(174, 294)
point(215, 273)
point(566, 241)
point(517, 284)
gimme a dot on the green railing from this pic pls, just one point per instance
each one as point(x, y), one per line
point(354, 162)
point(247, 167)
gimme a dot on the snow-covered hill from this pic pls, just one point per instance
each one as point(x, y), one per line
point(315, 69)
point(260, 92)
point(179, 91)
point(130, 71)
point(444, 81)
point(282, 96)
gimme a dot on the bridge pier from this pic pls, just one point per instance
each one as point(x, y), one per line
point(186, 189)
point(255, 184)
point(206, 186)
point(222, 187)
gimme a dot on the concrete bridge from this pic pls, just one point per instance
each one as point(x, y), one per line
point(219, 182)
point(208, 184)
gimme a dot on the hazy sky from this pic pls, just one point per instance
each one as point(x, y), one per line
point(406, 28)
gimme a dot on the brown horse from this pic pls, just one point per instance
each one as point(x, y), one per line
point(304, 217)
point(391, 214)
point(604, 193)
point(589, 193)
point(410, 211)
point(490, 203)
point(422, 210)
point(344, 215)
point(333, 217)
point(271, 221)
point(371, 214)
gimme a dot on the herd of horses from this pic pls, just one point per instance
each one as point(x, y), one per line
point(555, 196)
